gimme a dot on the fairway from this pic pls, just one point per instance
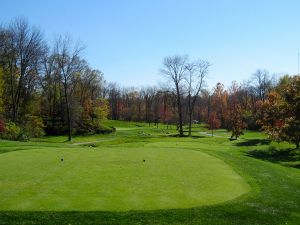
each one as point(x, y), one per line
point(115, 179)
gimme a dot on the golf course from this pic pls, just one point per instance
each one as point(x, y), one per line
point(149, 175)
point(149, 112)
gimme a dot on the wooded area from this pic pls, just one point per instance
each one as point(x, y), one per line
point(52, 90)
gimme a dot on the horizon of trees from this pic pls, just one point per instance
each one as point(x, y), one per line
point(47, 89)
point(52, 90)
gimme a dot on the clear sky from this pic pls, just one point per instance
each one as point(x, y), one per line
point(128, 39)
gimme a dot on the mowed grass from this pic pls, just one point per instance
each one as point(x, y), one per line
point(114, 179)
point(252, 180)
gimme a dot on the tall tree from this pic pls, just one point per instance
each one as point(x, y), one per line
point(197, 72)
point(175, 70)
point(271, 115)
point(149, 95)
point(213, 122)
point(114, 100)
point(23, 50)
point(1, 92)
point(281, 112)
point(291, 130)
point(218, 102)
point(69, 63)
point(51, 94)
point(235, 121)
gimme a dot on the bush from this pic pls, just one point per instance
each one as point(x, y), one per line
point(34, 127)
point(104, 130)
point(92, 127)
point(12, 132)
point(2, 125)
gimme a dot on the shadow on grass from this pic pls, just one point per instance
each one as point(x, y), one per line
point(197, 137)
point(186, 136)
point(287, 157)
point(219, 215)
point(254, 142)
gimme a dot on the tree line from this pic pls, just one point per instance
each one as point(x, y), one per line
point(264, 102)
point(46, 89)
point(51, 89)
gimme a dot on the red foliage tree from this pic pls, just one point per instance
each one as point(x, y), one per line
point(213, 122)
point(2, 125)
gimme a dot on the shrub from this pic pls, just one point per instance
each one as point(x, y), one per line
point(34, 127)
point(92, 127)
point(2, 125)
point(104, 130)
point(12, 131)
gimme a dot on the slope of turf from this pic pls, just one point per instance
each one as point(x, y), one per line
point(114, 179)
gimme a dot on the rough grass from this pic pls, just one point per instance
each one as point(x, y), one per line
point(273, 198)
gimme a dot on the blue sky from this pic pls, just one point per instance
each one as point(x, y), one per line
point(127, 40)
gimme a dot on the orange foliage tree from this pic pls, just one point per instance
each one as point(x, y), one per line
point(281, 113)
point(235, 114)
point(213, 122)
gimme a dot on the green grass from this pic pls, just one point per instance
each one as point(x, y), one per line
point(115, 179)
point(198, 180)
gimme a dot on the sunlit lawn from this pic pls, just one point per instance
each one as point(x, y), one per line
point(164, 179)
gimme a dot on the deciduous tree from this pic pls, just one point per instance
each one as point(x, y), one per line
point(70, 65)
point(197, 72)
point(213, 122)
point(235, 120)
point(281, 112)
point(175, 70)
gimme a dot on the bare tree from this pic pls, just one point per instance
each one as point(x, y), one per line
point(114, 95)
point(49, 81)
point(262, 83)
point(69, 63)
point(91, 84)
point(175, 70)
point(149, 95)
point(196, 74)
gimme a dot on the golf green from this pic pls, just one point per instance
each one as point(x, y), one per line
point(114, 179)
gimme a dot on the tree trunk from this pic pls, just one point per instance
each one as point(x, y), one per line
point(190, 123)
point(53, 107)
point(14, 116)
point(179, 111)
point(180, 119)
point(68, 113)
point(190, 113)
